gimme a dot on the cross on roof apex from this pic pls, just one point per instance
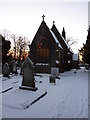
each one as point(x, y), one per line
point(53, 22)
point(43, 17)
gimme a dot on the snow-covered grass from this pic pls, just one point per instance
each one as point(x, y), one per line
point(67, 99)
point(0, 97)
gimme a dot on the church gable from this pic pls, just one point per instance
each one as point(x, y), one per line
point(67, 50)
point(48, 47)
point(43, 35)
point(60, 38)
point(56, 40)
point(42, 45)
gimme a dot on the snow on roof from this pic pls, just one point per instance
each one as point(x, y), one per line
point(75, 57)
point(69, 61)
point(56, 40)
point(66, 44)
point(71, 50)
point(42, 64)
point(57, 61)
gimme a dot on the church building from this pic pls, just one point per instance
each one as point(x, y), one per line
point(68, 54)
point(47, 50)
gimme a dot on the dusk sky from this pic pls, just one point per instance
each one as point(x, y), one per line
point(24, 18)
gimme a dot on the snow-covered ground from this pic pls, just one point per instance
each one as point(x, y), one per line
point(67, 99)
point(89, 95)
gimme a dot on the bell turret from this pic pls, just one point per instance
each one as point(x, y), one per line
point(64, 33)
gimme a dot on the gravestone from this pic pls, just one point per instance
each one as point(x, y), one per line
point(6, 70)
point(52, 79)
point(28, 82)
point(14, 69)
point(11, 66)
point(55, 71)
point(21, 71)
point(87, 66)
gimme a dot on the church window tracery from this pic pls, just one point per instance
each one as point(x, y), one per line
point(42, 51)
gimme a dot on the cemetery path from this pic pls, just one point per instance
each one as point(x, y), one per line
point(67, 99)
point(89, 96)
point(75, 103)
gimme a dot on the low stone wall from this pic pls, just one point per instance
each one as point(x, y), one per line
point(42, 68)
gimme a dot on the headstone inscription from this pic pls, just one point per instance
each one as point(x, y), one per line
point(6, 70)
point(28, 82)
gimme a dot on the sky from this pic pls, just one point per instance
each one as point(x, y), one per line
point(24, 18)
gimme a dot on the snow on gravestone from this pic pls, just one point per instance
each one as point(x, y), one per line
point(6, 70)
point(55, 71)
point(28, 82)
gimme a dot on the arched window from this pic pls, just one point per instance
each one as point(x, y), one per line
point(47, 52)
point(42, 51)
point(37, 52)
point(41, 54)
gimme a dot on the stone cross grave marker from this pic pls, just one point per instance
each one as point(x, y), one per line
point(6, 70)
point(28, 81)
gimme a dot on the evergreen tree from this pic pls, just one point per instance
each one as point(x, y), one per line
point(86, 47)
point(5, 48)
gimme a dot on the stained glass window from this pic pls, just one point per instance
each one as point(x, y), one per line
point(42, 51)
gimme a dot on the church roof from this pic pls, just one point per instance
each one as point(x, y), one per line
point(67, 44)
point(56, 40)
point(61, 39)
point(39, 32)
point(89, 31)
point(45, 32)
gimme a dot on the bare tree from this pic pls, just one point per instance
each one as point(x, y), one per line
point(71, 41)
point(25, 47)
point(19, 44)
point(11, 37)
point(6, 34)
point(14, 38)
point(22, 46)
